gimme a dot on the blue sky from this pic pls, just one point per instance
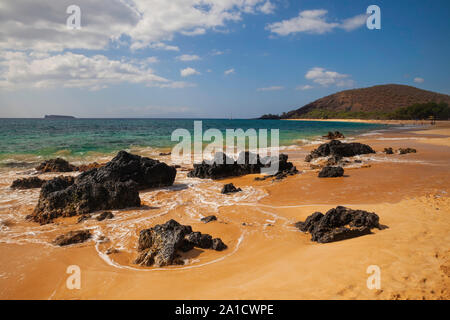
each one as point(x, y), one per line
point(211, 58)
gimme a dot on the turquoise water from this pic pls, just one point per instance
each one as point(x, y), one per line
point(81, 137)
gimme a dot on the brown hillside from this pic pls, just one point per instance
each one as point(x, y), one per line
point(384, 98)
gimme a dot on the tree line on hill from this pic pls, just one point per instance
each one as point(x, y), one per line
point(417, 111)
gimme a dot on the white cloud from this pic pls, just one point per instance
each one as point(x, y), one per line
point(419, 80)
point(351, 24)
point(304, 87)
point(326, 77)
point(152, 60)
point(272, 88)
point(195, 32)
point(69, 70)
point(188, 57)
point(216, 52)
point(41, 25)
point(267, 8)
point(229, 71)
point(188, 72)
point(315, 22)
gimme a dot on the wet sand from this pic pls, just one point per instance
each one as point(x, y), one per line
point(267, 258)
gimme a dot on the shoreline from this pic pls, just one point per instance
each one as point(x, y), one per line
point(267, 258)
point(439, 123)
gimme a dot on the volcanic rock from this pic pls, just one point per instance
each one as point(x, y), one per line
point(230, 188)
point(331, 172)
point(72, 237)
point(339, 149)
point(338, 224)
point(27, 183)
point(160, 245)
point(208, 219)
point(113, 186)
point(105, 215)
point(56, 165)
point(334, 135)
point(406, 150)
point(223, 166)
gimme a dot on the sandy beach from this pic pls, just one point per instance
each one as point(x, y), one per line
point(267, 257)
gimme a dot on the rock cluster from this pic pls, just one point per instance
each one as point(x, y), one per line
point(338, 224)
point(339, 149)
point(388, 150)
point(27, 183)
point(406, 150)
point(334, 135)
point(160, 246)
point(230, 188)
point(223, 166)
point(72, 237)
point(331, 172)
point(113, 186)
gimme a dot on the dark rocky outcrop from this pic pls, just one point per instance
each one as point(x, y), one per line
point(105, 215)
point(388, 150)
point(56, 165)
point(89, 166)
point(406, 150)
point(208, 219)
point(163, 154)
point(72, 237)
point(113, 186)
point(334, 135)
point(27, 183)
point(223, 166)
point(160, 245)
point(331, 172)
point(339, 149)
point(230, 188)
point(338, 224)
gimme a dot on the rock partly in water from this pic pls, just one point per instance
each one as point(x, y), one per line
point(230, 188)
point(388, 150)
point(338, 224)
point(208, 219)
point(89, 166)
point(56, 165)
point(27, 183)
point(406, 150)
point(334, 135)
point(339, 149)
point(84, 217)
point(72, 237)
point(105, 215)
point(223, 166)
point(331, 172)
point(161, 245)
point(113, 186)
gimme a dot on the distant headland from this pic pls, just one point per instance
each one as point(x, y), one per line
point(52, 116)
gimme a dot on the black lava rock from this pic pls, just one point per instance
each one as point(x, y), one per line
point(230, 188)
point(339, 149)
point(208, 219)
point(331, 172)
point(72, 237)
point(338, 224)
point(113, 186)
point(27, 183)
point(159, 246)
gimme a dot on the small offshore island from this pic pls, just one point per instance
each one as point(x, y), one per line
point(52, 116)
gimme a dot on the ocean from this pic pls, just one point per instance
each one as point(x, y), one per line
point(32, 140)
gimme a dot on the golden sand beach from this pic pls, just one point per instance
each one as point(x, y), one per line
point(267, 257)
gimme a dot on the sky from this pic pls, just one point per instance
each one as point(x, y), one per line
point(211, 58)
